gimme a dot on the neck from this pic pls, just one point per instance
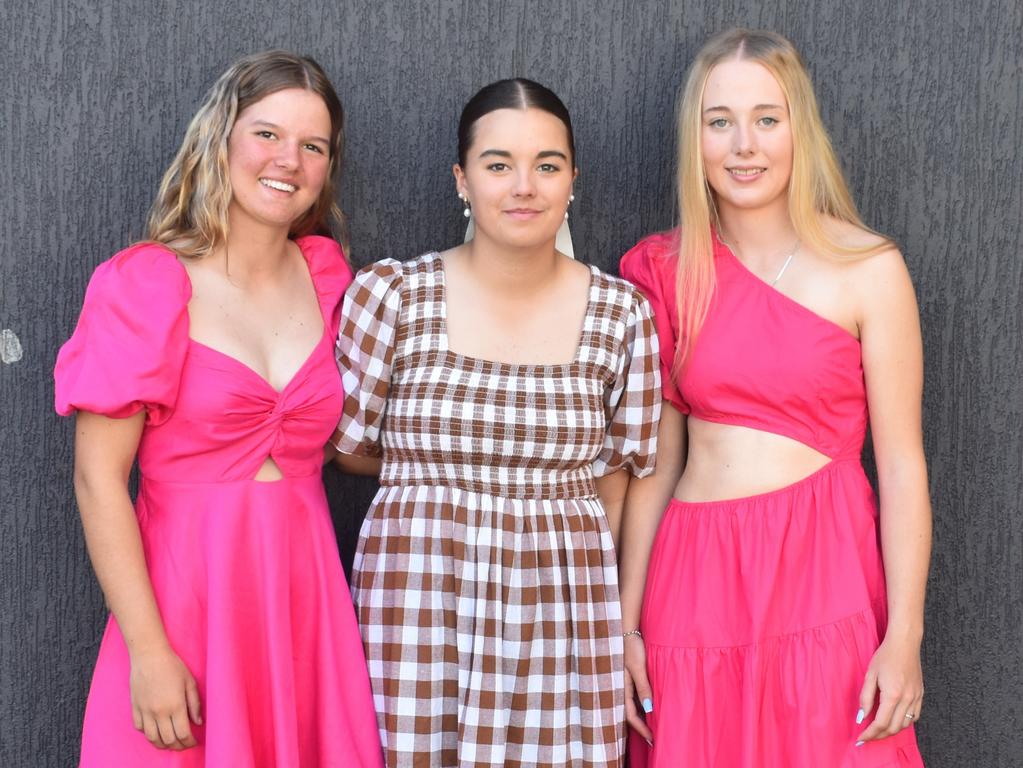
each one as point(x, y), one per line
point(759, 234)
point(254, 251)
point(510, 270)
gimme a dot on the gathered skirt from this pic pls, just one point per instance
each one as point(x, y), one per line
point(760, 618)
point(492, 629)
point(253, 598)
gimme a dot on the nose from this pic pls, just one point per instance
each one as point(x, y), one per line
point(525, 185)
point(744, 140)
point(287, 155)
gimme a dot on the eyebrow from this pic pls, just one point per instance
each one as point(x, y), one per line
point(268, 124)
point(539, 155)
point(757, 108)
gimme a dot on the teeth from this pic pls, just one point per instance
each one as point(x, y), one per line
point(745, 171)
point(280, 185)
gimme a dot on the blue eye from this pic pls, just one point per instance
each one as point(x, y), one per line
point(769, 121)
point(718, 122)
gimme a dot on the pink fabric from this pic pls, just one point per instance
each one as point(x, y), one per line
point(761, 614)
point(800, 376)
point(246, 573)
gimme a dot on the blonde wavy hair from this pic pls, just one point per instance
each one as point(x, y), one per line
point(189, 214)
point(817, 188)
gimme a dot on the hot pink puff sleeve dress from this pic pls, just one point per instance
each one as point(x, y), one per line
point(761, 614)
point(246, 573)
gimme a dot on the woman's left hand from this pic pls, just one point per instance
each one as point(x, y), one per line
point(896, 673)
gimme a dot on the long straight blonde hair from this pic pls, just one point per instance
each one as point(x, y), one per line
point(817, 189)
point(189, 214)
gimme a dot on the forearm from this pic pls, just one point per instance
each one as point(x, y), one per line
point(358, 465)
point(115, 548)
point(645, 503)
point(643, 509)
point(905, 545)
point(612, 489)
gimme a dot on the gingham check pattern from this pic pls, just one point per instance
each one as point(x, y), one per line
point(485, 577)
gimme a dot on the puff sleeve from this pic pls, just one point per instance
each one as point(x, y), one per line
point(130, 343)
point(330, 272)
point(650, 266)
point(365, 353)
point(632, 405)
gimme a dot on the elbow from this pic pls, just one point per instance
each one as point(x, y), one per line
point(92, 484)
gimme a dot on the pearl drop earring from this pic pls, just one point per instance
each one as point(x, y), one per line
point(466, 211)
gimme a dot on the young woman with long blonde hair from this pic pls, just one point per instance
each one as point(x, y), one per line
point(207, 352)
point(773, 617)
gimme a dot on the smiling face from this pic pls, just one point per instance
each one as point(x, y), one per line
point(746, 137)
point(278, 158)
point(517, 176)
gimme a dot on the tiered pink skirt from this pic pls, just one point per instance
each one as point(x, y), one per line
point(760, 617)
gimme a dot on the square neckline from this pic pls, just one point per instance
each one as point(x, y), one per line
point(475, 362)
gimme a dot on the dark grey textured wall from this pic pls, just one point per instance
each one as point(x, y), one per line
point(924, 101)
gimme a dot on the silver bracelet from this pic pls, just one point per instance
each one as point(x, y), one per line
point(635, 632)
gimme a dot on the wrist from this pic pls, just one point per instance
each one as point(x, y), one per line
point(904, 633)
point(148, 646)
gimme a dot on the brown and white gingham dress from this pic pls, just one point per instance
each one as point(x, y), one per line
point(485, 576)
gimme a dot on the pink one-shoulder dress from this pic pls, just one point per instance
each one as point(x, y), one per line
point(761, 614)
point(246, 574)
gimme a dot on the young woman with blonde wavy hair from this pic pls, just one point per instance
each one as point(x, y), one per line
point(773, 614)
point(207, 353)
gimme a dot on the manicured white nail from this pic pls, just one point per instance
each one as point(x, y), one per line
point(648, 706)
point(649, 743)
point(859, 743)
point(860, 714)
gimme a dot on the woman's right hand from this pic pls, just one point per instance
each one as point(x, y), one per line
point(164, 697)
point(638, 695)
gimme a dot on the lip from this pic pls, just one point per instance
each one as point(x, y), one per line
point(523, 213)
point(744, 174)
point(266, 181)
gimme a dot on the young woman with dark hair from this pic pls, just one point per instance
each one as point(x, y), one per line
point(504, 385)
point(207, 353)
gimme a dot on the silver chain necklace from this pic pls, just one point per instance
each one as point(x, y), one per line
point(788, 259)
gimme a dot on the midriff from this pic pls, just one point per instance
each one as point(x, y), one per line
point(726, 461)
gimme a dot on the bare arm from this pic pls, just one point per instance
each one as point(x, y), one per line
point(352, 464)
point(893, 369)
point(612, 489)
point(163, 692)
point(644, 504)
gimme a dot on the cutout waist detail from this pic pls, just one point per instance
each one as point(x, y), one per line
point(832, 466)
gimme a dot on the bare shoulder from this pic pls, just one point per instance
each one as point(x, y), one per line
point(881, 266)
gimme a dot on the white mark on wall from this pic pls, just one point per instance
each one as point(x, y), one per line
point(10, 346)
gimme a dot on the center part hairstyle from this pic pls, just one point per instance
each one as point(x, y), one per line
point(516, 93)
point(817, 189)
point(189, 214)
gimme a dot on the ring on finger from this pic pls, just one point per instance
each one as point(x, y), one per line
point(910, 716)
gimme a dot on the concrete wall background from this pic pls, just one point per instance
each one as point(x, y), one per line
point(925, 104)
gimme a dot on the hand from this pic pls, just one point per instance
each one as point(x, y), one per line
point(637, 687)
point(895, 671)
point(164, 696)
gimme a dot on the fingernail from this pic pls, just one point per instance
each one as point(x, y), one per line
point(860, 714)
point(648, 706)
point(859, 743)
point(649, 743)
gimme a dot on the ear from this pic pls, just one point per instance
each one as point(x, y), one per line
point(459, 174)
